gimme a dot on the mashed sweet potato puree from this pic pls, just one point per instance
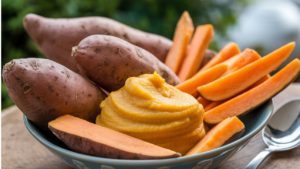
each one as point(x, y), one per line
point(152, 110)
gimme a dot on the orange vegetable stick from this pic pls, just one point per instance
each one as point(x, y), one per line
point(203, 101)
point(243, 78)
point(213, 105)
point(196, 94)
point(190, 86)
point(235, 63)
point(228, 51)
point(224, 133)
point(182, 36)
point(240, 60)
point(199, 44)
point(217, 103)
point(249, 100)
point(260, 81)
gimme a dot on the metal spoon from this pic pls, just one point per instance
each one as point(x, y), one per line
point(281, 133)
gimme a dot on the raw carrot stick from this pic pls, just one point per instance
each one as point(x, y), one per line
point(190, 86)
point(243, 103)
point(181, 39)
point(241, 79)
point(198, 46)
point(228, 51)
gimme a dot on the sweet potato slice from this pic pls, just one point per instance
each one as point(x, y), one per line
point(228, 51)
point(91, 139)
point(243, 78)
point(243, 103)
point(224, 133)
point(213, 105)
point(240, 60)
point(200, 42)
point(260, 81)
point(203, 101)
point(202, 78)
point(182, 36)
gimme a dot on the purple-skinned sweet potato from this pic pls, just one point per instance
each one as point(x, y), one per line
point(109, 61)
point(91, 139)
point(56, 37)
point(44, 90)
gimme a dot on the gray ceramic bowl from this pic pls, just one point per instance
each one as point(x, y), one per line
point(254, 122)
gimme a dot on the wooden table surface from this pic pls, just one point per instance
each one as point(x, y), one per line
point(21, 150)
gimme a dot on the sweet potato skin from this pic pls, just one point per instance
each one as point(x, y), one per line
point(56, 37)
point(109, 61)
point(93, 148)
point(45, 90)
point(207, 57)
point(91, 139)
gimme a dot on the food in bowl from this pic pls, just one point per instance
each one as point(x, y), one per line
point(150, 109)
point(137, 94)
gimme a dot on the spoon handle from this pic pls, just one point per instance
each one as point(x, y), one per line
point(258, 159)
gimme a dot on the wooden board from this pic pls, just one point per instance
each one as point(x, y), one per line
point(21, 150)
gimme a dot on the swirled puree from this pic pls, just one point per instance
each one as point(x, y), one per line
point(152, 110)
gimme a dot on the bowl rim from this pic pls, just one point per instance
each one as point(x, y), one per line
point(182, 159)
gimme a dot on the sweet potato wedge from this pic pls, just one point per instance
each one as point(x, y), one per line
point(240, 60)
point(243, 78)
point(200, 42)
point(203, 101)
point(91, 139)
point(190, 86)
point(228, 51)
point(224, 133)
point(109, 61)
point(245, 102)
point(44, 90)
point(183, 33)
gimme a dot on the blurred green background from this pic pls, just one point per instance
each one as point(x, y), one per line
point(155, 16)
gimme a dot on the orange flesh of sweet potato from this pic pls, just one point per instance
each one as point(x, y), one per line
point(213, 105)
point(219, 135)
point(88, 138)
point(203, 101)
point(235, 63)
point(200, 42)
point(195, 95)
point(202, 78)
point(243, 78)
point(260, 81)
point(228, 51)
point(182, 36)
point(240, 60)
point(217, 103)
point(247, 101)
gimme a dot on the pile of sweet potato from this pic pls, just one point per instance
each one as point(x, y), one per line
point(93, 56)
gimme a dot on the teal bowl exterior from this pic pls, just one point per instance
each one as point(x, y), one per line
point(254, 122)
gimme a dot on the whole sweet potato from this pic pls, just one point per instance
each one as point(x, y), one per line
point(109, 61)
point(56, 37)
point(45, 90)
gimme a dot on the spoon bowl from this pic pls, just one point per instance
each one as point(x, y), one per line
point(281, 133)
